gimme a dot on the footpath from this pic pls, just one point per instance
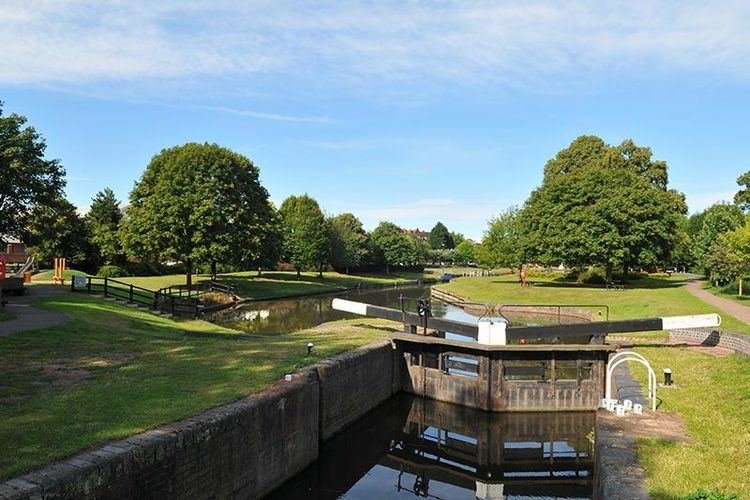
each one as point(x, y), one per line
point(28, 317)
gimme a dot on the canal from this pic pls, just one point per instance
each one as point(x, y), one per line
point(413, 447)
point(274, 317)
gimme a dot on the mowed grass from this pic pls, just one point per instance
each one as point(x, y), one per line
point(713, 396)
point(5, 315)
point(114, 371)
point(643, 298)
point(48, 275)
point(273, 284)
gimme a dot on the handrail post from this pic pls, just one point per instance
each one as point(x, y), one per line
point(131, 293)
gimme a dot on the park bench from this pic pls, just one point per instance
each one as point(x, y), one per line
point(613, 286)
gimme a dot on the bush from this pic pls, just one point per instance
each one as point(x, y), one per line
point(711, 494)
point(111, 271)
point(592, 276)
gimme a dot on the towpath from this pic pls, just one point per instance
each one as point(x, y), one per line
point(28, 317)
point(728, 306)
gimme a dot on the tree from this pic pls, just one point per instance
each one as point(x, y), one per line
point(55, 229)
point(440, 237)
point(742, 197)
point(501, 245)
point(28, 179)
point(392, 245)
point(457, 238)
point(602, 205)
point(198, 203)
point(729, 258)
point(348, 242)
point(466, 251)
point(305, 233)
point(103, 221)
point(268, 254)
point(715, 221)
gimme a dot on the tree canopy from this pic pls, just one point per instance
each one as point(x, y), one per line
point(715, 221)
point(28, 178)
point(54, 230)
point(440, 237)
point(198, 203)
point(396, 248)
point(103, 221)
point(305, 233)
point(348, 242)
point(501, 244)
point(602, 205)
point(742, 197)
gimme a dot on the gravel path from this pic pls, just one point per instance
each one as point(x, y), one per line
point(728, 306)
point(29, 317)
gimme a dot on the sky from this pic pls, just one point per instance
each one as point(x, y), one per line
point(409, 111)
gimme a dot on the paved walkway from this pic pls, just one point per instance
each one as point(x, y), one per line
point(728, 306)
point(29, 317)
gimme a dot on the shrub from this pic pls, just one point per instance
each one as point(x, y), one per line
point(592, 276)
point(111, 271)
point(710, 494)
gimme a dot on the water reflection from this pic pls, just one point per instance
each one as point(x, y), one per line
point(412, 447)
point(274, 317)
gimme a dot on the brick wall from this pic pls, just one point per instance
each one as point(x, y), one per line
point(711, 337)
point(244, 449)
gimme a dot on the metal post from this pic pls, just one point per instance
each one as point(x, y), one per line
point(88, 284)
point(131, 293)
point(105, 286)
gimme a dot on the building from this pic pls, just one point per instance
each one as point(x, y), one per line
point(422, 235)
point(13, 250)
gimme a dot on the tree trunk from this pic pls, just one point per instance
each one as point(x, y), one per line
point(347, 269)
point(189, 273)
point(608, 277)
point(740, 287)
point(259, 271)
point(298, 274)
point(320, 270)
point(387, 268)
point(213, 271)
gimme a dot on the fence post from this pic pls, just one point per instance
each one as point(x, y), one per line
point(88, 284)
point(156, 301)
point(105, 286)
point(131, 293)
point(73, 285)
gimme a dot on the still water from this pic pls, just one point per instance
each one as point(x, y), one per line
point(273, 317)
point(413, 447)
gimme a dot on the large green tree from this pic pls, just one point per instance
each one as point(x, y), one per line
point(602, 205)
point(742, 197)
point(348, 242)
point(54, 229)
point(305, 232)
point(392, 245)
point(198, 203)
point(103, 221)
point(466, 251)
point(28, 178)
point(715, 221)
point(501, 246)
point(440, 237)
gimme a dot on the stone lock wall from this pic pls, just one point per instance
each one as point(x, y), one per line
point(244, 449)
point(710, 337)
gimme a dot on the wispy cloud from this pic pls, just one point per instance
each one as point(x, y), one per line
point(76, 178)
point(360, 43)
point(266, 116)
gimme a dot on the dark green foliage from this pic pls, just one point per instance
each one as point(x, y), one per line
point(56, 230)
point(711, 494)
point(103, 221)
point(602, 205)
point(348, 242)
point(28, 179)
point(198, 203)
point(440, 237)
point(466, 252)
point(742, 197)
point(394, 248)
point(305, 233)
point(112, 271)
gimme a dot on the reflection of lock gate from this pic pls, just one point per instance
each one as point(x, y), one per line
point(491, 370)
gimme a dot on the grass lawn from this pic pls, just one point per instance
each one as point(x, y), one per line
point(5, 315)
point(49, 274)
point(279, 283)
point(114, 371)
point(713, 396)
point(644, 298)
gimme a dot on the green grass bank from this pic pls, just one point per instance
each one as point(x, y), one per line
point(113, 371)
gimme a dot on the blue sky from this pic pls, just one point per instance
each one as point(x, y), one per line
point(411, 111)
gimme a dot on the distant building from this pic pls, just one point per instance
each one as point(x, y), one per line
point(422, 235)
point(13, 250)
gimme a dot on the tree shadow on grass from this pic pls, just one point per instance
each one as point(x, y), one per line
point(634, 284)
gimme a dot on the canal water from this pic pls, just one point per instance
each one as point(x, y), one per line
point(273, 317)
point(413, 447)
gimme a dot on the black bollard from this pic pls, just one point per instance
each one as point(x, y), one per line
point(309, 348)
point(667, 376)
